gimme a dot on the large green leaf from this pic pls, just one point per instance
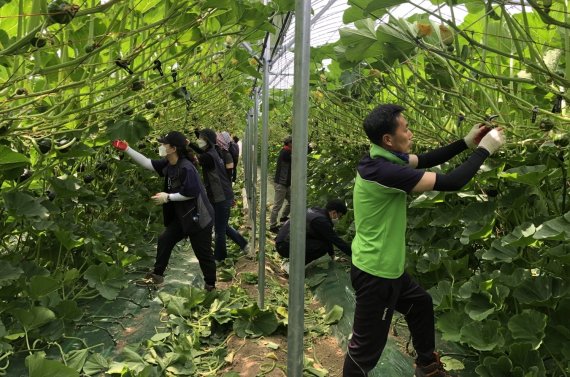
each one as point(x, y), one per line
point(33, 318)
point(555, 229)
point(253, 322)
point(9, 273)
point(334, 315)
point(520, 236)
point(68, 310)
point(561, 253)
point(493, 367)
point(534, 290)
point(11, 160)
point(483, 336)
point(479, 307)
point(108, 280)
point(42, 285)
point(95, 364)
point(528, 327)
point(441, 295)
point(39, 366)
point(21, 204)
point(523, 356)
point(76, 359)
point(131, 130)
point(499, 253)
point(450, 324)
point(530, 175)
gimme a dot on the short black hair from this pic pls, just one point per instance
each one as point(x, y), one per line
point(381, 121)
point(236, 139)
point(336, 205)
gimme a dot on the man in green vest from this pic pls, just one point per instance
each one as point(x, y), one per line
point(383, 180)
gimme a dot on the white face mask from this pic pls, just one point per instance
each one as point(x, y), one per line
point(202, 143)
point(162, 151)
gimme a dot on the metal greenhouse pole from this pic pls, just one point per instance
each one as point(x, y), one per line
point(264, 163)
point(253, 165)
point(299, 188)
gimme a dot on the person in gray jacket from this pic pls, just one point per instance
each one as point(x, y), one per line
point(219, 189)
point(282, 184)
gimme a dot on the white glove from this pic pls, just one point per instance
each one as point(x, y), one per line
point(475, 135)
point(493, 140)
point(160, 198)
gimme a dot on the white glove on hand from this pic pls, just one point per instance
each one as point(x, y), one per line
point(493, 140)
point(475, 135)
point(160, 198)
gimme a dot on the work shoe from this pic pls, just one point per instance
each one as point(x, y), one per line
point(435, 369)
point(209, 287)
point(150, 279)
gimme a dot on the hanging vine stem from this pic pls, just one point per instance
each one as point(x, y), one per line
point(24, 40)
point(559, 79)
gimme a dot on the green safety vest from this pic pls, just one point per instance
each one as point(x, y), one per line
point(379, 247)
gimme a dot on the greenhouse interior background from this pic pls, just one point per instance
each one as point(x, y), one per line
point(80, 224)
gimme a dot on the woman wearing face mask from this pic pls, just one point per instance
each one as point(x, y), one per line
point(219, 188)
point(186, 210)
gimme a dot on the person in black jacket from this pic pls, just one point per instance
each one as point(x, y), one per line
point(320, 233)
point(220, 193)
point(235, 151)
point(186, 210)
point(282, 184)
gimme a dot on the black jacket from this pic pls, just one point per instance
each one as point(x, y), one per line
point(194, 214)
point(320, 233)
point(283, 169)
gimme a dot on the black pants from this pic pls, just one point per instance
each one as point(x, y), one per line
point(201, 244)
point(376, 300)
point(314, 249)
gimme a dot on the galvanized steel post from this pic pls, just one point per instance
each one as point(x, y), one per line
point(298, 189)
point(264, 163)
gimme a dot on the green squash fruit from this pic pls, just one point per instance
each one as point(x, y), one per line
point(44, 145)
point(178, 93)
point(38, 42)
point(50, 195)
point(561, 139)
point(25, 175)
point(127, 110)
point(61, 12)
point(137, 85)
point(546, 124)
point(90, 48)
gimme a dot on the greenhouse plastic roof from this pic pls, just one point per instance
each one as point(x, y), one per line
point(326, 21)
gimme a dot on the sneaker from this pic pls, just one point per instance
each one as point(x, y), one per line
point(150, 279)
point(274, 229)
point(435, 369)
point(209, 287)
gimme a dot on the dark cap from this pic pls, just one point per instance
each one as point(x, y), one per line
point(173, 138)
point(209, 135)
point(288, 139)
